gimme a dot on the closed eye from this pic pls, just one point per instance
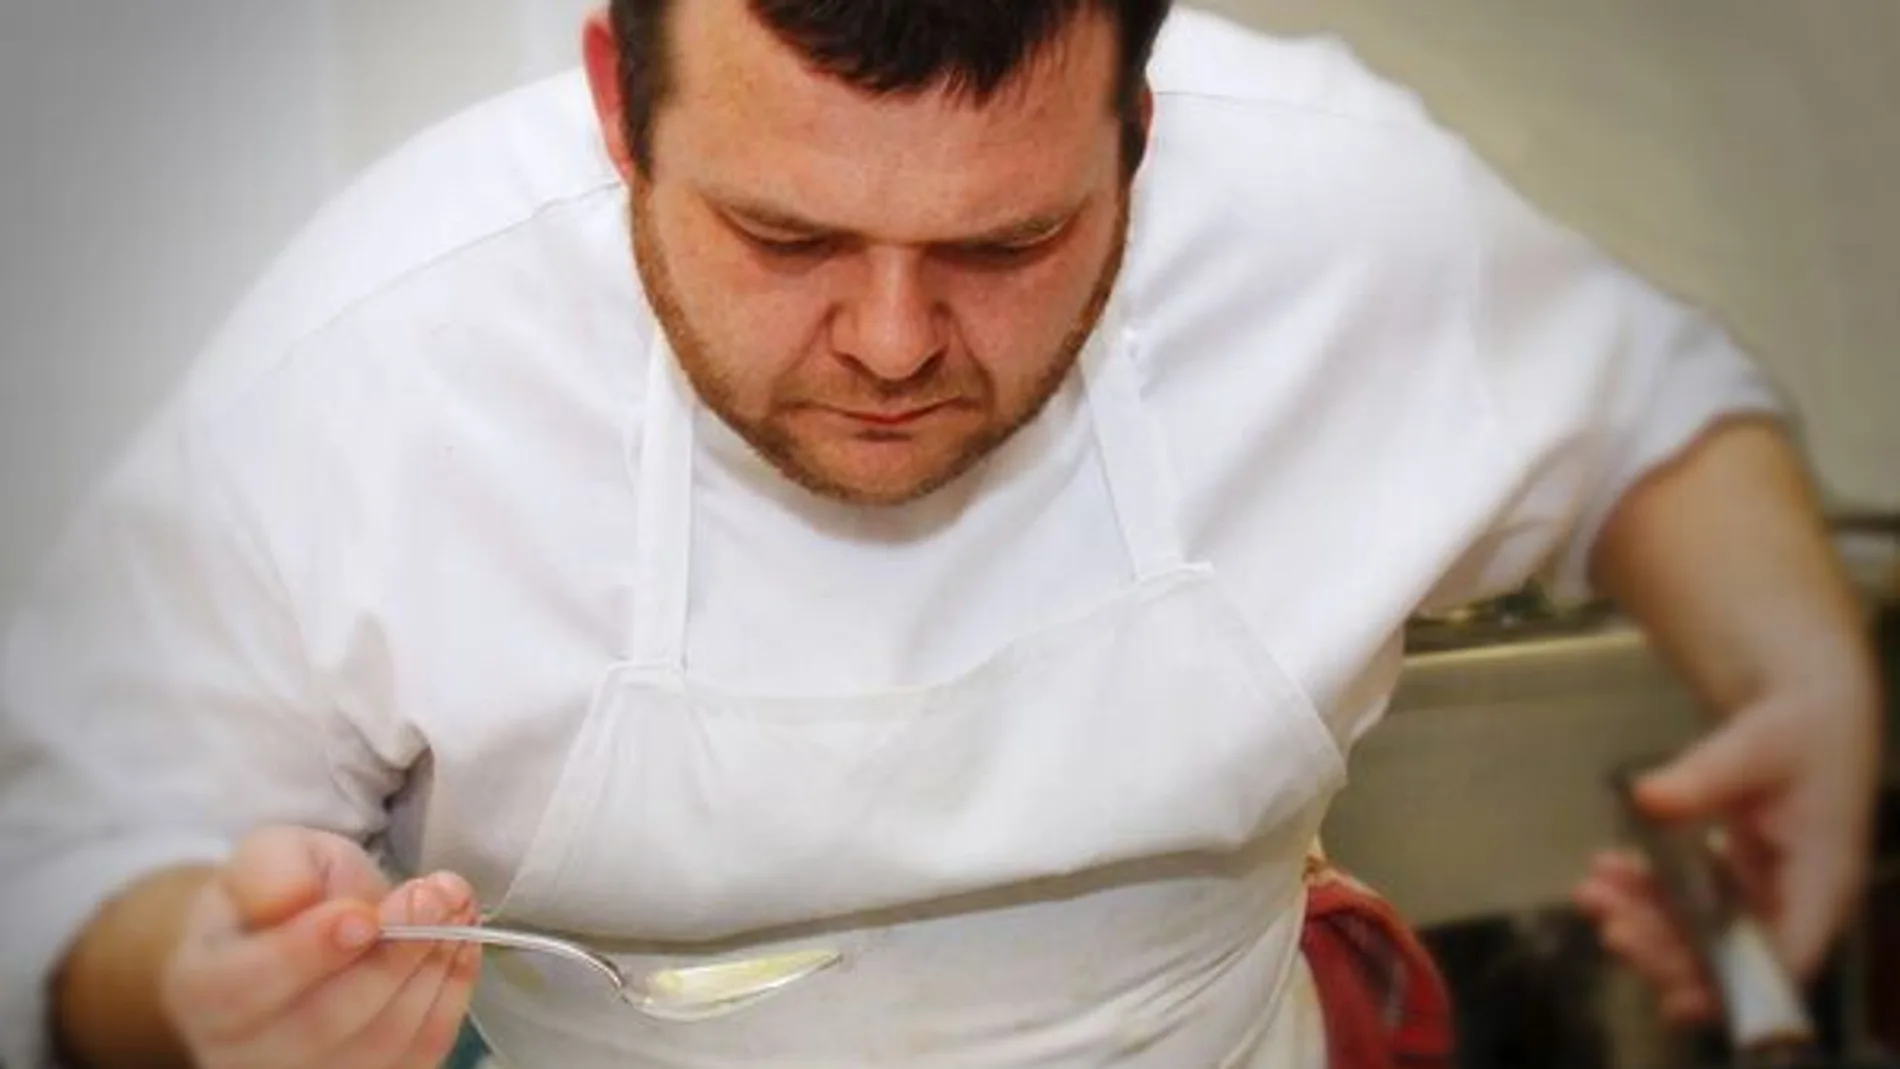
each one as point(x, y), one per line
point(1001, 254)
point(1006, 253)
point(805, 246)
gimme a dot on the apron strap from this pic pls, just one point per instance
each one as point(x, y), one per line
point(1134, 458)
point(663, 526)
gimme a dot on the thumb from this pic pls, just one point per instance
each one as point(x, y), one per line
point(277, 873)
point(1728, 767)
point(348, 870)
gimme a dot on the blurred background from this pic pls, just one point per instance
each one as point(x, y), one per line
point(1743, 153)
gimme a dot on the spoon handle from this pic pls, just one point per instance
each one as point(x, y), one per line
point(502, 937)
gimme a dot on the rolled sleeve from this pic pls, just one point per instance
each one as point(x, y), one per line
point(158, 705)
point(1695, 381)
point(1597, 376)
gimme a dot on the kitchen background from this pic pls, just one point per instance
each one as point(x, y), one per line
point(1744, 153)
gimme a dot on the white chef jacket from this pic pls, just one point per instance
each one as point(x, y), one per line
point(362, 570)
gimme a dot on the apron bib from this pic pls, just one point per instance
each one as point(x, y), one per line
point(1085, 853)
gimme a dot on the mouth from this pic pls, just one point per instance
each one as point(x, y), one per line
point(899, 418)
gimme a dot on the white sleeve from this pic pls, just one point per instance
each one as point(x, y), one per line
point(1597, 378)
point(157, 706)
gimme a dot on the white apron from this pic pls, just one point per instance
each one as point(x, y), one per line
point(1085, 853)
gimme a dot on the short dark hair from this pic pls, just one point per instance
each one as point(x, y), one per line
point(896, 46)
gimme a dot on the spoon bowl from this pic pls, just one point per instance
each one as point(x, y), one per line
point(686, 993)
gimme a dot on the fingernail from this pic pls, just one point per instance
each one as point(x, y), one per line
point(426, 905)
point(355, 933)
point(453, 889)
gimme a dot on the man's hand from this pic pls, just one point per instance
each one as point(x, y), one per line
point(279, 965)
point(1794, 787)
point(1723, 558)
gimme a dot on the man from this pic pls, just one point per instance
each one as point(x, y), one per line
point(938, 482)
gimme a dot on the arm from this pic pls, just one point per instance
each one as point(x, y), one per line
point(106, 995)
point(1647, 464)
point(1722, 558)
point(156, 705)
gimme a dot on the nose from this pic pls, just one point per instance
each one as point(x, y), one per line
point(892, 327)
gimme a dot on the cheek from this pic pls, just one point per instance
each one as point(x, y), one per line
point(1015, 323)
point(755, 322)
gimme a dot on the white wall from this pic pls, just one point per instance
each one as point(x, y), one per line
point(1746, 153)
point(154, 153)
point(406, 62)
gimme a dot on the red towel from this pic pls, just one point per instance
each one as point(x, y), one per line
point(1385, 1003)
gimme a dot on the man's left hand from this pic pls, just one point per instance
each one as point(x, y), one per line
point(1793, 781)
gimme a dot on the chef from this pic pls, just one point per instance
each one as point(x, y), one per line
point(939, 482)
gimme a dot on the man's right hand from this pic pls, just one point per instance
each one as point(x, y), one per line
point(279, 965)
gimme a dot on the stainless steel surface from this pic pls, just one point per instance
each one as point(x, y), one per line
point(1483, 791)
point(691, 993)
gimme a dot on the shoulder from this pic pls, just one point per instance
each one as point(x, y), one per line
point(1290, 153)
point(493, 172)
point(478, 277)
point(1282, 174)
point(1202, 55)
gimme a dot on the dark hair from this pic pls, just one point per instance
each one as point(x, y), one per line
point(895, 46)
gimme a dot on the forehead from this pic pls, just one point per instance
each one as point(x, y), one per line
point(746, 111)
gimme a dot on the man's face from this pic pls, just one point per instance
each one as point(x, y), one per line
point(876, 292)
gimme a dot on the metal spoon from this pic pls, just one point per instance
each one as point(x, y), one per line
point(690, 993)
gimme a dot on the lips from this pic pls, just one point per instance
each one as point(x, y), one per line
point(893, 419)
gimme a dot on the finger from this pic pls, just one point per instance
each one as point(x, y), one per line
point(1691, 1007)
point(1650, 950)
point(441, 1025)
point(229, 988)
point(415, 902)
point(1820, 886)
point(421, 901)
point(277, 873)
point(348, 871)
point(184, 979)
point(1623, 866)
point(212, 919)
point(1596, 895)
point(406, 1028)
point(1634, 924)
point(453, 1005)
point(273, 876)
point(338, 1014)
point(1613, 877)
point(457, 894)
point(1732, 766)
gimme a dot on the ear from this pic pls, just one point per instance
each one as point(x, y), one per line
point(601, 52)
point(1137, 130)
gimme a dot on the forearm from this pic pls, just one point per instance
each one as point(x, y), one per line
point(1725, 561)
point(106, 1006)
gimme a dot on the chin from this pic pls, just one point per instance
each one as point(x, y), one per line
point(854, 474)
point(871, 488)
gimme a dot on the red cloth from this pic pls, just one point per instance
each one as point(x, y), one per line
point(1385, 1003)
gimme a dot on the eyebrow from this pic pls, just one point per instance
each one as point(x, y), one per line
point(1016, 232)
